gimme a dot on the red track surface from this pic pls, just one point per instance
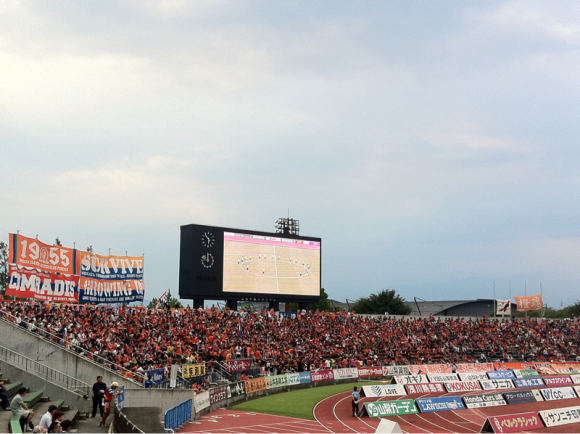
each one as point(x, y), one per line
point(333, 415)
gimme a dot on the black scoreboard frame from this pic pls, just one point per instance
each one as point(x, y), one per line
point(197, 281)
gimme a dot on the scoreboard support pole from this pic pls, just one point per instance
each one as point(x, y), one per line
point(198, 302)
point(232, 304)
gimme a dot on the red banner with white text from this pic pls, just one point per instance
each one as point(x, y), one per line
point(42, 285)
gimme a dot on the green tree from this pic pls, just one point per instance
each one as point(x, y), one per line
point(168, 300)
point(323, 305)
point(385, 301)
point(3, 267)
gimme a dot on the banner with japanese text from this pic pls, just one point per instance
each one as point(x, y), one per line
point(238, 365)
point(42, 285)
point(415, 389)
point(190, 371)
point(560, 416)
point(514, 422)
point(201, 400)
point(531, 302)
point(256, 384)
point(29, 252)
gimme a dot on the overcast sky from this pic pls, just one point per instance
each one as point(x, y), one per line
point(432, 145)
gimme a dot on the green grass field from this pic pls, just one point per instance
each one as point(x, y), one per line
point(298, 403)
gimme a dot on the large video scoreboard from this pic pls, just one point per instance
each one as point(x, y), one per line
point(233, 264)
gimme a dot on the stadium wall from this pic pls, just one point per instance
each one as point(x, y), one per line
point(55, 356)
point(162, 398)
point(54, 391)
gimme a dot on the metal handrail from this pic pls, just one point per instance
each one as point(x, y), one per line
point(44, 332)
point(45, 372)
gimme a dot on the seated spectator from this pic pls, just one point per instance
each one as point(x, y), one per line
point(4, 397)
point(19, 408)
point(55, 427)
point(66, 425)
point(47, 417)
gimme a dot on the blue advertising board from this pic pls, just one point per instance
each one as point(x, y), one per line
point(499, 375)
point(529, 382)
point(156, 375)
point(304, 377)
point(427, 405)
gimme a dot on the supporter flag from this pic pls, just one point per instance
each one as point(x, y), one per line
point(504, 307)
point(240, 327)
point(160, 298)
point(532, 302)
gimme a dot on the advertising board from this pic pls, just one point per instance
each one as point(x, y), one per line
point(381, 390)
point(391, 408)
point(496, 384)
point(552, 394)
point(294, 379)
point(499, 375)
point(236, 389)
point(201, 400)
point(523, 396)
point(217, 395)
point(558, 380)
point(343, 373)
point(419, 389)
point(304, 377)
point(373, 371)
point(255, 385)
point(442, 378)
point(473, 376)
point(276, 381)
point(156, 375)
point(514, 423)
point(395, 370)
point(410, 379)
point(316, 376)
point(484, 400)
point(462, 386)
point(560, 416)
point(529, 382)
point(524, 373)
point(428, 405)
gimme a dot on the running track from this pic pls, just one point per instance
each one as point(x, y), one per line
point(333, 415)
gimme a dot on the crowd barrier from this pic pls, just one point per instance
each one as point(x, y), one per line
point(178, 415)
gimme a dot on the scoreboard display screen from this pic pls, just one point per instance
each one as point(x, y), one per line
point(228, 264)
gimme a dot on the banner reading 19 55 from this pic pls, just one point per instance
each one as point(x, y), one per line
point(29, 252)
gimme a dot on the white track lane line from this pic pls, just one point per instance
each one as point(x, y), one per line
point(337, 418)
point(314, 413)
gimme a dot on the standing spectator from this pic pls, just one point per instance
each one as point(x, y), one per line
point(99, 389)
point(109, 396)
point(19, 408)
point(4, 397)
point(47, 417)
point(148, 383)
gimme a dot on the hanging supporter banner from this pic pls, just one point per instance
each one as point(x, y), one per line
point(238, 365)
point(173, 376)
point(496, 384)
point(190, 371)
point(558, 393)
point(156, 375)
point(442, 378)
point(304, 377)
point(340, 374)
point(236, 389)
point(419, 389)
point(110, 267)
point(294, 379)
point(462, 386)
point(121, 400)
point(375, 371)
point(523, 396)
point(473, 376)
point(430, 369)
point(560, 416)
point(110, 291)
point(276, 381)
point(498, 375)
point(508, 366)
point(531, 302)
point(428, 405)
point(525, 373)
point(42, 285)
point(201, 401)
point(504, 307)
point(395, 370)
point(391, 408)
point(256, 385)
point(513, 423)
point(381, 390)
point(484, 400)
point(545, 368)
point(559, 380)
point(217, 395)
point(474, 367)
point(29, 252)
point(316, 376)
point(529, 382)
point(410, 379)
point(566, 368)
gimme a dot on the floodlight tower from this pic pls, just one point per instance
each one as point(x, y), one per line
point(287, 226)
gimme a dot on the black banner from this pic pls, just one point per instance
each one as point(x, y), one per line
point(522, 397)
point(236, 389)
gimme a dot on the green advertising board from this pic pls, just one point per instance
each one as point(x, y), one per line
point(277, 381)
point(391, 408)
point(524, 373)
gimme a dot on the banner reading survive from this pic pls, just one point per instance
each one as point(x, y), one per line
point(110, 267)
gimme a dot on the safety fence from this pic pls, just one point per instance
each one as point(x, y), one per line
point(178, 415)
